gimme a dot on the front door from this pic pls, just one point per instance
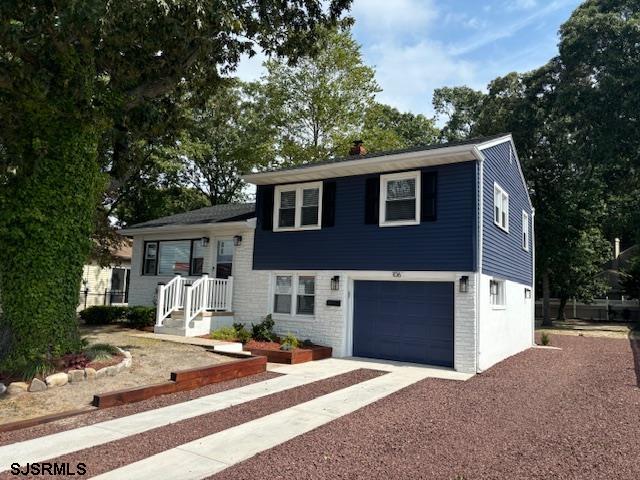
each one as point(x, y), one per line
point(224, 258)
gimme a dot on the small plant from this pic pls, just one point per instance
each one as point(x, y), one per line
point(140, 317)
point(100, 351)
point(307, 342)
point(224, 333)
point(544, 339)
point(242, 334)
point(290, 342)
point(263, 331)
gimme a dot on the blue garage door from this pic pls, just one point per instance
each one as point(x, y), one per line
point(404, 321)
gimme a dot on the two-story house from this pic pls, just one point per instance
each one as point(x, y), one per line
point(422, 255)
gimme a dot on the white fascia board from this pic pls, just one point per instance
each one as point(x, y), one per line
point(498, 141)
point(176, 228)
point(361, 166)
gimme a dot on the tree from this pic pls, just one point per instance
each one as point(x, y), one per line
point(386, 128)
point(67, 75)
point(461, 107)
point(231, 134)
point(631, 279)
point(321, 99)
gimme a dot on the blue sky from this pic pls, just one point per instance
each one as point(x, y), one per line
point(419, 45)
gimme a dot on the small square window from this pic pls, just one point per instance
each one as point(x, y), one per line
point(399, 199)
point(298, 207)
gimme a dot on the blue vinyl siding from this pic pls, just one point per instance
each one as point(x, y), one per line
point(447, 244)
point(503, 255)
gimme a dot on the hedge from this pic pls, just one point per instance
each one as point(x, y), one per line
point(137, 317)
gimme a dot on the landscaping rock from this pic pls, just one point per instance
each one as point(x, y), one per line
point(76, 376)
point(57, 379)
point(127, 362)
point(126, 354)
point(112, 370)
point(2, 388)
point(37, 385)
point(16, 388)
point(101, 373)
point(90, 374)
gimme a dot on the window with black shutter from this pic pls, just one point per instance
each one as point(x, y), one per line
point(429, 211)
point(372, 201)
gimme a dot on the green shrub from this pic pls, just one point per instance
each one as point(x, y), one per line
point(544, 339)
point(103, 315)
point(100, 351)
point(263, 331)
point(139, 317)
point(242, 334)
point(224, 333)
point(307, 342)
point(290, 341)
point(28, 369)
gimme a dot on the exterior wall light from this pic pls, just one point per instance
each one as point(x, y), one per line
point(204, 241)
point(527, 293)
point(464, 284)
point(237, 240)
point(335, 282)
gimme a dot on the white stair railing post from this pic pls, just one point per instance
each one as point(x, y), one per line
point(229, 295)
point(160, 307)
point(187, 306)
point(205, 291)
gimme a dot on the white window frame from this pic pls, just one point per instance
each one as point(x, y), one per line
point(503, 207)
point(295, 284)
point(298, 188)
point(498, 300)
point(384, 179)
point(525, 231)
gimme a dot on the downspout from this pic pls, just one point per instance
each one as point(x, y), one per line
point(533, 276)
point(479, 237)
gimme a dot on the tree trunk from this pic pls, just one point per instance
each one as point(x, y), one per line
point(46, 220)
point(546, 300)
point(561, 316)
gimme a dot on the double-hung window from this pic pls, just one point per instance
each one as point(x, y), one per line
point(298, 207)
point(294, 295)
point(500, 207)
point(525, 231)
point(400, 199)
point(171, 257)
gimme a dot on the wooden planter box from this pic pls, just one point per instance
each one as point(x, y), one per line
point(299, 355)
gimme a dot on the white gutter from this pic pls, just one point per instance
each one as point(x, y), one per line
point(187, 227)
point(359, 166)
point(533, 276)
point(479, 236)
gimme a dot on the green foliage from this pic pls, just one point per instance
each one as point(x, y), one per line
point(319, 100)
point(139, 317)
point(103, 315)
point(290, 341)
point(100, 351)
point(242, 334)
point(307, 342)
point(263, 331)
point(631, 280)
point(26, 370)
point(461, 107)
point(225, 333)
point(544, 339)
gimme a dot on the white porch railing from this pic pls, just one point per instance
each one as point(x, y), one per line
point(194, 298)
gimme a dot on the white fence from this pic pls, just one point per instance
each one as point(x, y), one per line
point(602, 310)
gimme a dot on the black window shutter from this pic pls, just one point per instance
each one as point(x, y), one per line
point(265, 202)
point(328, 204)
point(428, 207)
point(372, 201)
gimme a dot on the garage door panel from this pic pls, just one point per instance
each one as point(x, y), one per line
point(405, 321)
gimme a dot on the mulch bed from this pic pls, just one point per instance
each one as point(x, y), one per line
point(124, 410)
point(543, 414)
point(119, 453)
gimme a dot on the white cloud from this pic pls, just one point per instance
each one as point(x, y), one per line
point(521, 4)
point(390, 18)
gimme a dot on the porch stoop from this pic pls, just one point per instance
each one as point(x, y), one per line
point(203, 323)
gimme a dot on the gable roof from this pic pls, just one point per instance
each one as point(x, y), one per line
point(231, 212)
point(439, 153)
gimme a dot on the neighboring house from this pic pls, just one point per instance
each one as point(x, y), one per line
point(423, 255)
point(107, 285)
point(613, 271)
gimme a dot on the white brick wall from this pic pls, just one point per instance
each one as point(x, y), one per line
point(465, 327)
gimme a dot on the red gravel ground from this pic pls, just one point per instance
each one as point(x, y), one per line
point(103, 415)
point(543, 414)
point(116, 454)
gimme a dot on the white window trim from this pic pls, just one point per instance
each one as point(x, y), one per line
point(501, 294)
point(298, 188)
point(294, 296)
point(497, 188)
point(525, 231)
point(415, 175)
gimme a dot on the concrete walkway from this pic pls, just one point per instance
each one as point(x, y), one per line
point(327, 407)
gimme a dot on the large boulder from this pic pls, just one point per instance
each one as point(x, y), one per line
point(90, 373)
point(37, 385)
point(76, 376)
point(57, 379)
point(2, 388)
